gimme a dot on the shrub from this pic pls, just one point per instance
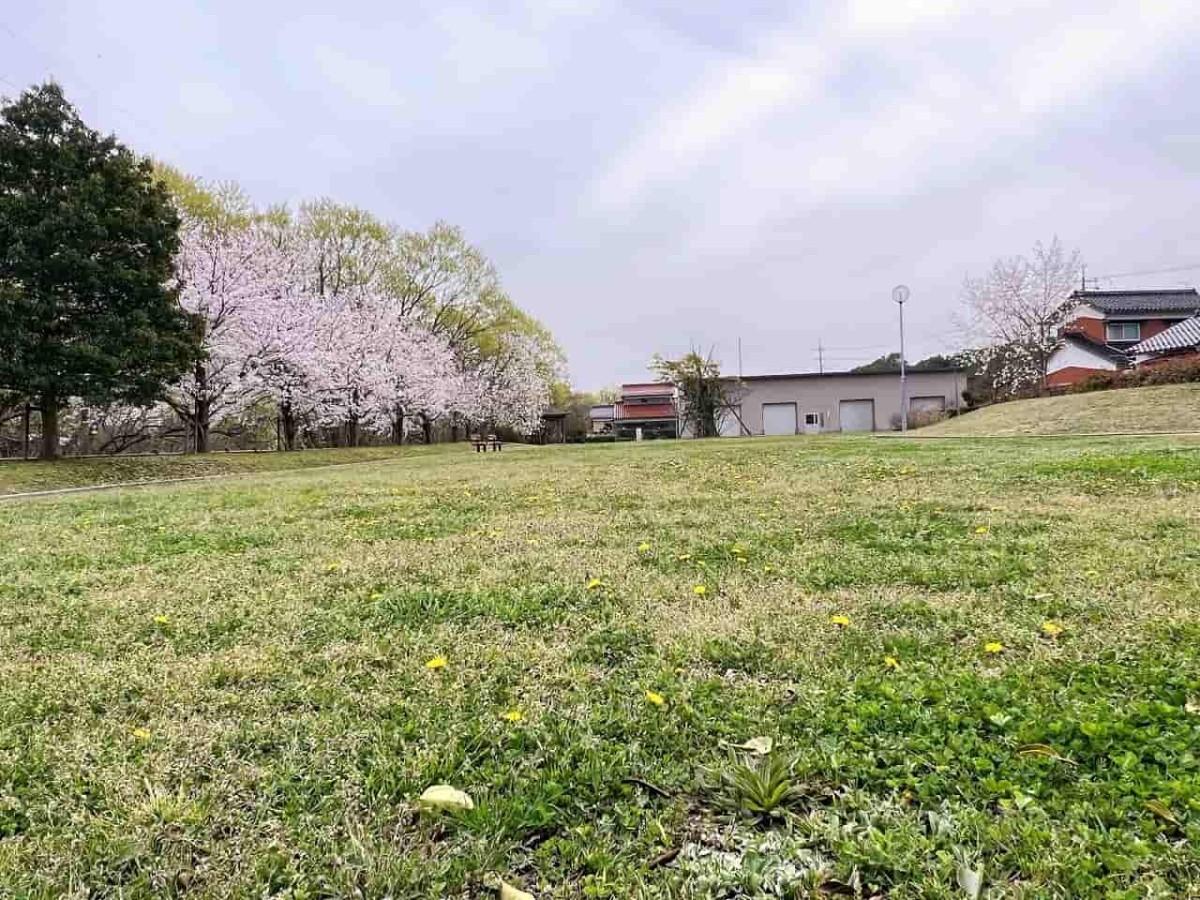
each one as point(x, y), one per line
point(1181, 371)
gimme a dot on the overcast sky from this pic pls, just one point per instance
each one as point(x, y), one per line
point(649, 175)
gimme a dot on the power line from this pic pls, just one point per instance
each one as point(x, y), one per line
point(1166, 271)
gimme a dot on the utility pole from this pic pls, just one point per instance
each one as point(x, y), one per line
point(900, 295)
point(739, 359)
point(820, 357)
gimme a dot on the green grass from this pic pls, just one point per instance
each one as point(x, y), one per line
point(1164, 408)
point(219, 689)
point(20, 476)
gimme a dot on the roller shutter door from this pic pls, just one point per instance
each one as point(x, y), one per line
point(779, 418)
point(857, 415)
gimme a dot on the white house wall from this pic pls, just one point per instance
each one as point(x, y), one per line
point(824, 394)
point(1070, 354)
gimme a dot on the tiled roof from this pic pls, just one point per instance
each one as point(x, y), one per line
point(1182, 336)
point(1184, 300)
point(1104, 351)
point(652, 389)
point(641, 411)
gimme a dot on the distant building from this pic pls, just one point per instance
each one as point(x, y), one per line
point(646, 407)
point(600, 419)
point(812, 402)
point(1105, 327)
point(1179, 342)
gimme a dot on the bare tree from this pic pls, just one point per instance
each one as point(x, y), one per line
point(704, 396)
point(1023, 301)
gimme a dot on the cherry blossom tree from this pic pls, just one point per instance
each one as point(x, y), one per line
point(227, 273)
point(1022, 303)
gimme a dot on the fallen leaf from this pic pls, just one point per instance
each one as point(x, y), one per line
point(1160, 809)
point(760, 745)
point(443, 796)
point(970, 880)
point(508, 892)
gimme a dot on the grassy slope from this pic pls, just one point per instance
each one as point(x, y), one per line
point(20, 476)
point(1173, 407)
point(221, 688)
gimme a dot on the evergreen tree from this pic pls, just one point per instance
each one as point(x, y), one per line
point(87, 237)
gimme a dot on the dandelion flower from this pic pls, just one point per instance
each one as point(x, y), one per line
point(982, 529)
point(891, 662)
point(1052, 628)
point(162, 620)
point(594, 584)
point(513, 715)
point(142, 734)
point(656, 699)
point(993, 647)
point(644, 547)
point(438, 662)
point(839, 621)
point(699, 590)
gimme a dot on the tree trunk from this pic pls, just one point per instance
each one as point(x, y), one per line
point(287, 419)
point(398, 426)
point(352, 431)
point(49, 408)
point(427, 428)
point(203, 411)
point(25, 445)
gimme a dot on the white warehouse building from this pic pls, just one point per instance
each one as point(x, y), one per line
point(811, 403)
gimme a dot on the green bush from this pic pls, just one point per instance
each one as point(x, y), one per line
point(1180, 371)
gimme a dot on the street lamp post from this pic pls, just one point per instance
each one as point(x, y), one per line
point(900, 295)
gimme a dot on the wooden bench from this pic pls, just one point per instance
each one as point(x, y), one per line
point(483, 443)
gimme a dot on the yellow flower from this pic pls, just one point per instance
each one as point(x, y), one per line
point(513, 715)
point(656, 699)
point(333, 567)
point(684, 557)
point(594, 584)
point(891, 662)
point(438, 662)
point(162, 620)
point(1052, 628)
point(839, 621)
point(644, 547)
point(699, 590)
point(981, 529)
point(993, 647)
point(141, 734)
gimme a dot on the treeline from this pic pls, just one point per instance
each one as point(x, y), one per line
point(147, 310)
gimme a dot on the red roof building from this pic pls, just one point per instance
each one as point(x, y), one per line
point(648, 408)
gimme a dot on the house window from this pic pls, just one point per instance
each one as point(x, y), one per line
point(1117, 332)
point(813, 419)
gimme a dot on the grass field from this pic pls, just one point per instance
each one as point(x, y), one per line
point(20, 476)
point(1164, 408)
point(237, 689)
